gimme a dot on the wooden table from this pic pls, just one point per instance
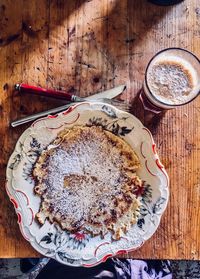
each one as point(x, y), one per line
point(92, 45)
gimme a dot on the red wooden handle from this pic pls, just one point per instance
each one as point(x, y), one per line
point(25, 88)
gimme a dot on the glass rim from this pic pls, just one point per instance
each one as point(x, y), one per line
point(159, 52)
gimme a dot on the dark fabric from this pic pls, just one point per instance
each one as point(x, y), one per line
point(26, 265)
point(150, 269)
point(112, 268)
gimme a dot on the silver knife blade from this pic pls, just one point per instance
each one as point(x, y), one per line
point(109, 94)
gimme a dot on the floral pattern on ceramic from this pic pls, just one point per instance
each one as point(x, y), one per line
point(81, 249)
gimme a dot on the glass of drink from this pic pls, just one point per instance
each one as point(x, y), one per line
point(172, 79)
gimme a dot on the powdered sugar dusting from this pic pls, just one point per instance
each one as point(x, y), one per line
point(84, 180)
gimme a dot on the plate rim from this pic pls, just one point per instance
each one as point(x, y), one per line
point(155, 155)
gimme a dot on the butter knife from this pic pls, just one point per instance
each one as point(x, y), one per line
point(109, 94)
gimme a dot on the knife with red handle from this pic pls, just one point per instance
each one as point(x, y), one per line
point(104, 96)
point(29, 89)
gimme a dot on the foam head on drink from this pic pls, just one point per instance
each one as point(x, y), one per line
point(172, 78)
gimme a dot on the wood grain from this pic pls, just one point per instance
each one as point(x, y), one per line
point(91, 45)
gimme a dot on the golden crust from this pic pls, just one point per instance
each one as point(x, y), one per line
point(86, 180)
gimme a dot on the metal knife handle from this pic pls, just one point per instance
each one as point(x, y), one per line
point(39, 114)
point(29, 89)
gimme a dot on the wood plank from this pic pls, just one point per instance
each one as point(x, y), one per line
point(176, 134)
point(21, 59)
point(87, 46)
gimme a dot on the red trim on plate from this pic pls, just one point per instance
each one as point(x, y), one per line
point(14, 202)
point(106, 257)
point(32, 216)
point(161, 167)
point(153, 143)
point(73, 120)
point(112, 255)
point(68, 123)
point(141, 146)
point(10, 197)
point(38, 120)
point(80, 104)
point(149, 169)
point(124, 238)
point(52, 116)
point(19, 216)
point(7, 191)
point(120, 252)
point(54, 128)
point(101, 261)
point(154, 148)
point(159, 164)
point(91, 265)
point(68, 110)
point(95, 252)
point(27, 199)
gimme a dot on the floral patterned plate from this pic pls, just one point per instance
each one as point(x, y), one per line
point(81, 249)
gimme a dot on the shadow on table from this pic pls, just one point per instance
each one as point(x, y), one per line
point(149, 119)
point(121, 29)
